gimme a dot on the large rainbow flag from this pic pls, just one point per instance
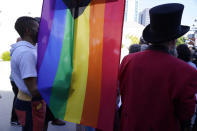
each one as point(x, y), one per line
point(78, 58)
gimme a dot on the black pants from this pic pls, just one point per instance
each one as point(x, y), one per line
point(31, 114)
point(25, 109)
point(49, 117)
point(15, 91)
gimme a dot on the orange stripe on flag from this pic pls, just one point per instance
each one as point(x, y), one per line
point(94, 82)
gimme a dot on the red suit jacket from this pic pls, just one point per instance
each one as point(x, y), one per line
point(157, 91)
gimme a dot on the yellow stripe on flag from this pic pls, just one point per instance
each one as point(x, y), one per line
point(76, 97)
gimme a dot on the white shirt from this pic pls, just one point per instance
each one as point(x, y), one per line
point(23, 63)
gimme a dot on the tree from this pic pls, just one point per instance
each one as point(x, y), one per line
point(5, 56)
point(134, 39)
point(181, 40)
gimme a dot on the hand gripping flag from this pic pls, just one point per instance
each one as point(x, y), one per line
point(78, 58)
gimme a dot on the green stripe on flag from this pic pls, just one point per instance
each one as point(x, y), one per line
point(61, 85)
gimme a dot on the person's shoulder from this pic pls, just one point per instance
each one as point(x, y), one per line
point(26, 47)
point(26, 53)
point(128, 57)
point(23, 51)
point(136, 54)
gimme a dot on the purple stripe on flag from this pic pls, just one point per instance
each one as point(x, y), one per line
point(45, 28)
point(52, 55)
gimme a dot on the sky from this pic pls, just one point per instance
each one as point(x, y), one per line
point(189, 13)
point(10, 12)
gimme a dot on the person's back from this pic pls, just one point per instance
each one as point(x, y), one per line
point(154, 87)
point(22, 50)
point(29, 105)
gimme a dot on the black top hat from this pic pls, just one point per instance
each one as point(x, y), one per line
point(165, 23)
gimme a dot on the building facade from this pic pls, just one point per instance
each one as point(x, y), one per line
point(144, 18)
point(131, 11)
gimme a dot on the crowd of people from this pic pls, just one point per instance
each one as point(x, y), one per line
point(157, 80)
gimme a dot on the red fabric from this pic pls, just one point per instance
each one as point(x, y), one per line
point(157, 92)
point(21, 116)
point(38, 115)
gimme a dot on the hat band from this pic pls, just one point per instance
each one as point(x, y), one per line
point(166, 32)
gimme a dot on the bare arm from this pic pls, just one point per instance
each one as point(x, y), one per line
point(31, 84)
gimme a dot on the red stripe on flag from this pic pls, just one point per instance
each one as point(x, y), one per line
point(114, 15)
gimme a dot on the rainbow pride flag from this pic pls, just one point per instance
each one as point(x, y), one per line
point(78, 58)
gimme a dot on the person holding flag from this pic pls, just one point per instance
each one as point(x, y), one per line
point(29, 105)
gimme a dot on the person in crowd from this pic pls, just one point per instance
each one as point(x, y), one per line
point(134, 48)
point(143, 47)
point(157, 89)
point(143, 44)
point(29, 105)
point(14, 119)
point(194, 55)
point(142, 41)
point(184, 54)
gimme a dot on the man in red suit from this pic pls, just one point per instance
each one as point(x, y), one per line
point(157, 89)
